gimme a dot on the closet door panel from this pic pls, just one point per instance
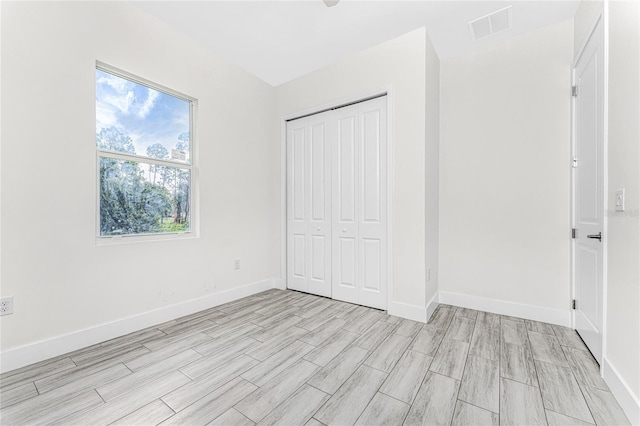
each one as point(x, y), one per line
point(297, 194)
point(319, 200)
point(345, 212)
point(372, 199)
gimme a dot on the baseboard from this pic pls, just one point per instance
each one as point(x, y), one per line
point(432, 305)
point(405, 310)
point(59, 345)
point(279, 284)
point(628, 401)
point(503, 307)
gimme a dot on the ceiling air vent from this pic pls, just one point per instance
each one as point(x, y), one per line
point(490, 24)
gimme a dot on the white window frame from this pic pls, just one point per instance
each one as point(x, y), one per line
point(192, 166)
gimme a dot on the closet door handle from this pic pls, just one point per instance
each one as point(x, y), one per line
point(597, 236)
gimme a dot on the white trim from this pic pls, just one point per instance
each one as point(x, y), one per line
point(605, 182)
point(390, 176)
point(404, 310)
point(279, 284)
point(622, 392)
point(59, 345)
point(503, 307)
point(432, 305)
point(388, 91)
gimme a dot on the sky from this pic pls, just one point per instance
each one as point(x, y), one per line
point(147, 116)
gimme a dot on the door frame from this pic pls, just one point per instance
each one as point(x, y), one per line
point(602, 16)
point(361, 97)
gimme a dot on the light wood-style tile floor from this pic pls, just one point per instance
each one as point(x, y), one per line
point(288, 358)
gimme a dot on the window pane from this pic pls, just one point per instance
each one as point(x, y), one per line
point(136, 119)
point(143, 198)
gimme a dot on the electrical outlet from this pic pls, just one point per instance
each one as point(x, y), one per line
point(6, 305)
point(236, 263)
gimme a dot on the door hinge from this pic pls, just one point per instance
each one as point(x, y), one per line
point(574, 91)
point(573, 232)
point(573, 304)
point(574, 162)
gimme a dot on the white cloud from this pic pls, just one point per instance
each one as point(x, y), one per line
point(118, 84)
point(148, 104)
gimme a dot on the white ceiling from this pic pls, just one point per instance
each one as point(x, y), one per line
point(279, 41)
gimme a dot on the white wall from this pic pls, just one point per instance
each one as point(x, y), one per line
point(623, 240)
point(398, 64)
point(61, 281)
point(583, 20)
point(504, 175)
point(432, 172)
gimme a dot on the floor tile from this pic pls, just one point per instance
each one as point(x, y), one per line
point(151, 414)
point(467, 414)
point(560, 391)
point(383, 410)
point(481, 384)
point(277, 363)
point(547, 349)
point(346, 405)
point(520, 404)
point(569, 337)
point(450, 358)
point(442, 317)
point(231, 417)
point(297, 409)
point(407, 376)
point(604, 407)
point(105, 414)
point(485, 343)
point(516, 363)
point(435, 402)
point(184, 396)
point(467, 313)
point(334, 374)
point(585, 368)
point(539, 327)
point(428, 340)
point(213, 404)
point(384, 358)
point(16, 394)
point(557, 419)
point(374, 335)
point(487, 320)
point(286, 357)
point(408, 328)
point(273, 393)
point(330, 348)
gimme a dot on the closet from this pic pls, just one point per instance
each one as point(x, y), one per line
point(337, 203)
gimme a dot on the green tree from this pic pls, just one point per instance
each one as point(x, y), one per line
point(112, 139)
point(129, 204)
point(156, 151)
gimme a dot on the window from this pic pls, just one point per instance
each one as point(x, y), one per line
point(145, 156)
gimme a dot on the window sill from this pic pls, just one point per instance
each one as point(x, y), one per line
point(128, 239)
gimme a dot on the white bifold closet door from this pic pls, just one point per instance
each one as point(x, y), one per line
point(308, 206)
point(337, 204)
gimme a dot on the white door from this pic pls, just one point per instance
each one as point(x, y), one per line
point(308, 206)
point(588, 191)
point(337, 204)
point(359, 204)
